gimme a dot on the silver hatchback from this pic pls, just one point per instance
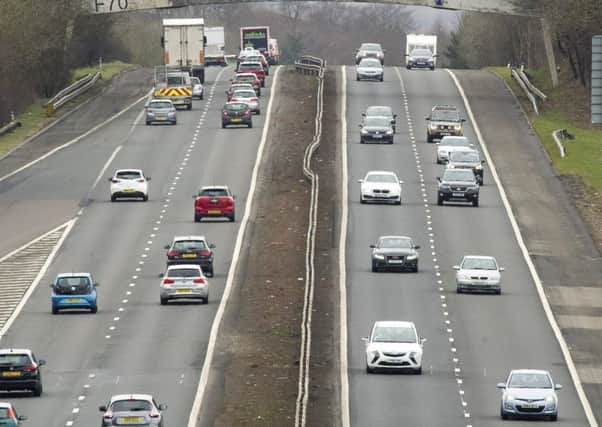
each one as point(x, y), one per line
point(184, 281)
point(160, 111)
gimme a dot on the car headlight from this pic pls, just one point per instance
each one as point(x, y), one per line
point(508, 398)
point(411, 257)
point(444, 187)
point(433, 126)
point(458, 126)
point(364, 132)
point(378, 256)
point(450, 166)
point(150, 113)
point(171, 113)
point(550, 402)
point(390, 132)
point(373, 354)
point(479, 167)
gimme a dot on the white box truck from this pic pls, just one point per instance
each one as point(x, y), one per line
point(215, 48)
point(415, 56)
point(184, 45)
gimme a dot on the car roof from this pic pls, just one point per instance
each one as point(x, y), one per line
point(381, 173)
point(394, 237)
point(250, 62)
point(529, 371)
point(131, 397)
point(60, 275)
point(184, 266)
point(184, 238)
point(15, 351)
point(400, 323)
point(215, 187)
point(370, 60)
point(445, 107)
point(479, 256)
point(160, 100)
point(129, 170)
point(379, 106)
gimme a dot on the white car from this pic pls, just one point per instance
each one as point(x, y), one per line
point(448, 144)
point(249, 97)
point(394, 345)
point(369, 69)
point(479, 273)
point(529, 393)
point(129, 183)
point(380, 186)
point(197, 88)
point(184, 281)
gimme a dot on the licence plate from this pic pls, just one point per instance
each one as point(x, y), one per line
point(189, 256)
point(183, 291)
point(395, 261)
point(236, 120)
point(377, 136)
point(129, 190)
point(11, 374)
point(458, 194)
point(131, 420)
point(530, 405)
point(73, 300)
point(214, 211)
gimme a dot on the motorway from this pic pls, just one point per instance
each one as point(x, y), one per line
point(473, 340)
point(133, 344)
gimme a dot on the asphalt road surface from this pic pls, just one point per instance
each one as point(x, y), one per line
point(132, 345)
point(473, 340)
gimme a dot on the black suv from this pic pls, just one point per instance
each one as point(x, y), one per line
point(467, 159)
point(191, 250)
point(444, 120)
point(20, 370)
point(458, 185)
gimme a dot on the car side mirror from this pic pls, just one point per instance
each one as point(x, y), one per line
point(363, 114)
point(41, 362)
point(416, 246)
point(148, 178)
point(439, 179)
point(463, 120)
point(96, 284)
point(22, 418)
point(456, 267)
point(557, 387)
point(110, 178)
point(212, 246)
point(360, 180)
point(102, 408)
point(502, 268)
point(394, 116)
point(407, 54)
point(373, 246)
point(166, 247)
point(393, 121)
point(501, 385)
point(365, 339)
point(483, 162)
point(162, 407)
point(427, 118)
point(401, 182)
point(161, 275)
point(435, 55)
point(360, 126)
point(422, 341)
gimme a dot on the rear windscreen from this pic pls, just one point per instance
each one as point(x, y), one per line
point(190, 245)
point(72, 285)
point(216, 192)
point(130, 406)
point(14, 360)
point(183, 272)
point(128, 175)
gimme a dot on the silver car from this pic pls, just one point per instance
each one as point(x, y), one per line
point(184, 281)
point(132, 409)
point(369, 69)
point(160, 111)
point(382, 111)
point(479, 273)
point(198, 91)
point(529, 393)
point(249, 97)
point(448, 144)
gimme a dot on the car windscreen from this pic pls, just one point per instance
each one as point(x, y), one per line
point(370, 63)
point(4, 414)
point(214, 192)
point(236, 107)
point(14, 359)
point(190, 245)
point(464, 156)
point(377, 121)
point(421, 53)
point(458, 175)
point(128, 175)
point(395, 243)
point(131, 405)
point(529, 380)
point(160, 105)
point(479, 264)
point(246, 78)
point(370, 46)
point(393, 334)
point(72, 285)
point(244, 94)
point(445, 116)
point(382, 178)
point(379, 111)
point(183, 272)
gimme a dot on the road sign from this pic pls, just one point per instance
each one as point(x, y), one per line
point(597, 80)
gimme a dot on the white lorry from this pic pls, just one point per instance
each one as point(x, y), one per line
point(274, 52)
point(184, 45)
point(416, 47)
point(214, 50)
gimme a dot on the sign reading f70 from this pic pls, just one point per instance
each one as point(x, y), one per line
point(110, 6)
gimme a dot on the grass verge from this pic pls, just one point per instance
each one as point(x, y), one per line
point(34, 118)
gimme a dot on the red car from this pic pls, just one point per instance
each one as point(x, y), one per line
point(216, 202)
point(248, 78)
point(253, 67)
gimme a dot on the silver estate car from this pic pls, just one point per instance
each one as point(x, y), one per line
point(184, 281)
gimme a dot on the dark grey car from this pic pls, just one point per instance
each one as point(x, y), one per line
point(382, 111)
point(467, 159)
point(458, 185)
point(376, 129)
point(394, 253)
point(421, 58)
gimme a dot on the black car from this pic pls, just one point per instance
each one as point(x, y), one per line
point(376, 129)
point(395, 253)
point(458, 185)
point(236, 113)
point(467, 159)
point(191, 250)
point(20, 370)
point(421, 58)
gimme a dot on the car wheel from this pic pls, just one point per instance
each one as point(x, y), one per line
point(113, 198)
point(503, 414)
point(357, 78)
point(362, 201)
point(148, 123)
point(145, 198)
point(94, 310)
point(369, 370)
point(374, 269)
point(438, 161)
point(263, 83)
point(209, 272)
point(197, 218)
point(223, 126)
point(55, 310)
point(428, 138)
point(232, 217)
point(189, 106)
point(408, 67)
point(37, 390)
point(382, 78)
point(554, 417)
point(498, 291)
point(175, 122)
point(258, 112)
point(259, 92)
point(475, 203)
point(163, 301)
point(362, 141)
point(432, 68)
point(415, 269)
point(202, 97)
point(418, 371)
point(250, 125)
point(458, 290)
point(440, 201)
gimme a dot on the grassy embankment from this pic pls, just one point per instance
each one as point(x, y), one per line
point(567, 107)
point(35, 117)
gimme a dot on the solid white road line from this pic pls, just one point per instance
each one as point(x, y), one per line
point(523, 247)
point(75, 140)
point(345, 421)
point(104, 168)
point(69, 225)
point(198, 400)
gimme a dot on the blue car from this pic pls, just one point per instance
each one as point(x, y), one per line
point(74, 291)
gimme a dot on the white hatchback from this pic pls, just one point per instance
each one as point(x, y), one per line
point(394, 345)
point(129, 183)
point(380, 187)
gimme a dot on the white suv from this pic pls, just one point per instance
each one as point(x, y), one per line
point(129, 183)
point(394, 345)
